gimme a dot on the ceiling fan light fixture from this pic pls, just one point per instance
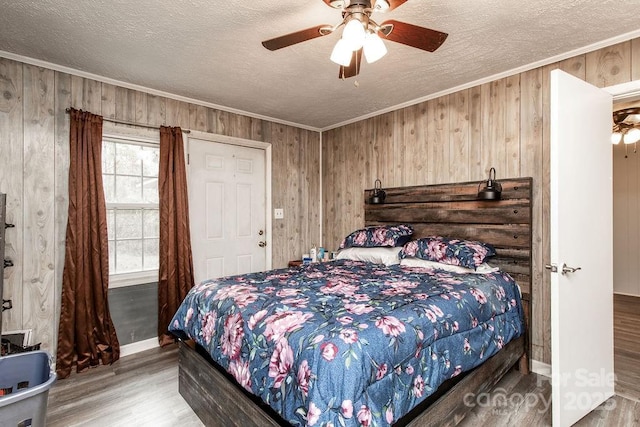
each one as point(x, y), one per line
point(626, 126)
point(354, 34)
point(616, 137)
point(632, 136)
point(341, 53)
point(373, 47)
point(381, 5)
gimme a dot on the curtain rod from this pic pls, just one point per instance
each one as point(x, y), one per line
point(124, 122)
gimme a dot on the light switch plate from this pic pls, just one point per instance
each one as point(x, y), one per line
point(278, 213)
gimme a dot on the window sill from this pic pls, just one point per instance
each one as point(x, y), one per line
point(132, 279)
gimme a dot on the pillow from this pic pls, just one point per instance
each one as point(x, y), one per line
point(466, 253)
point(382, 235)
point(483, 268)
point(386, 256)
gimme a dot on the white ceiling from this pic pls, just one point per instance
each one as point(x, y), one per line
point(210, 50)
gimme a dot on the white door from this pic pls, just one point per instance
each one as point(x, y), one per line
point(226, 208)
point(581, 237)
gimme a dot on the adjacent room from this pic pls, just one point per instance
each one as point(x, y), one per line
point(349, 212)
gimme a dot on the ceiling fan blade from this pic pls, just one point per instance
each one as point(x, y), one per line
point(353, 69)
point(297, 37)
point(412, 35)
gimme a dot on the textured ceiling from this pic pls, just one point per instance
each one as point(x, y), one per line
point(210, 50)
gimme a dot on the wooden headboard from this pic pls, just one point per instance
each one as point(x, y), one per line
point(452, 210)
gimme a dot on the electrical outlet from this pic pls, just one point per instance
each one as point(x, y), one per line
point(278, 213)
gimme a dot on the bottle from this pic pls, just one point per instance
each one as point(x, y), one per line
point(313, 253)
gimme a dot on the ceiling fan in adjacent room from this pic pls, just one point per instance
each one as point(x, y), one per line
point(362, 35)
point(626, 126)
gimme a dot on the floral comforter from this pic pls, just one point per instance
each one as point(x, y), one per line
point(346, 342)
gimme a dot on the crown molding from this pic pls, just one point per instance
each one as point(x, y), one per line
point(108, 80)
point(557, 58)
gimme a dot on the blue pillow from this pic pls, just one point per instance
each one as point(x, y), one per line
point(378, 236)
point(466, 253)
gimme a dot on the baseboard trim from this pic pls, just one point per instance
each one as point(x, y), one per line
point(541, 368)
point(626, 294)
point(628, 396)
point(138, 346)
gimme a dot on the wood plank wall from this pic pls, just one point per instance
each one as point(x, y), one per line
point(457, 138)
point(34, 162)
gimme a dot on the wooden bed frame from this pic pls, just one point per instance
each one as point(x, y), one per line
point(450, 210)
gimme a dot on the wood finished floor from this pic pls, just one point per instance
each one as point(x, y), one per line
point(137, 390)
point(626, 343)
point(142, 390)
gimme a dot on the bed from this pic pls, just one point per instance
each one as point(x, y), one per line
point(355, 343)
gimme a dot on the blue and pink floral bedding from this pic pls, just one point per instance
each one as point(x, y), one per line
point(349, 343)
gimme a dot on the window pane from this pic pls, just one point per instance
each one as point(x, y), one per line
point(130, 175)
point(112, 262)
point(150, 161)
point(128, 189)
point(111, 224)
point(129, 256)
point(108, 157)
point(128, 160)
point(108, 183)
point(151, 254)
point(128, 224)
point(150, 190)
point(151, 223)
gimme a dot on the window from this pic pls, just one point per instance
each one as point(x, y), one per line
point(130, 179)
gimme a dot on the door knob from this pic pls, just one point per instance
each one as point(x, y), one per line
point(262, 244)
point(566, 269)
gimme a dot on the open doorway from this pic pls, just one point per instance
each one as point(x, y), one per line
point(626, 262)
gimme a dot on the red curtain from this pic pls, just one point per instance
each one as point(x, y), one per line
point(86, 331)
point(176, 264)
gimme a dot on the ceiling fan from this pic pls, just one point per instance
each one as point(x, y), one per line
point(361, 34)
point(626, 126)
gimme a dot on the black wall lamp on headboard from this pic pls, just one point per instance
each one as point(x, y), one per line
point(492, 189)
point(377, 195)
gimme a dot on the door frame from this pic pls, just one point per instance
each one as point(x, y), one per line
point(242, 142)
point(624, 91)
point(629, 91)
point(620, 92)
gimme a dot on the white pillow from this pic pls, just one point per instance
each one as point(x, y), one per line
point(483, 268)
point(377, 255)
